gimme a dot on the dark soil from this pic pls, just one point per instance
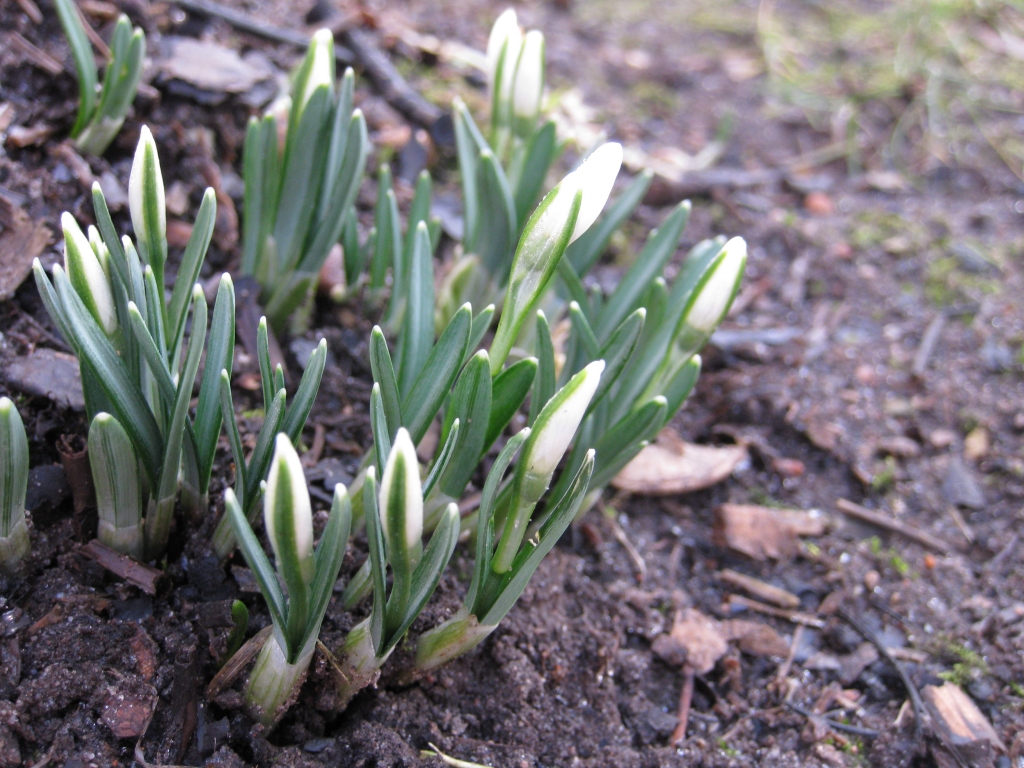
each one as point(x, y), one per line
point(844, 280)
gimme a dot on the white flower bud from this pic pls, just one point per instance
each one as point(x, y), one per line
point(403, 454)
point(556, 433)
point(87, 275)
point(322, 71)
point(146, 172)
point(505, 29)
point(286, 491)
point(595, 177)
point(710, 305)
point(529, 78)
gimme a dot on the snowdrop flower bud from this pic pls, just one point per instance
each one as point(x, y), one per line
point(146, 192)
point(321, 72)
point(504, 34)
point(529, 78)
point(710, 305)
point(595, 178)
point(87, 275)
point(286, 510)
point(402, 476)
point(555, 434)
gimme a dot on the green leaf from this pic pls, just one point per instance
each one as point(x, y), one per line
point(191, 264)
point(468, 143)
point(443, 459)
point(266, 368)
point(328, 557)
point(419, 210)
point(379, 425)
point(355, 261)
point(584, 334)
point(480, 325)
point(115, 473)
point(257, 560)
point(384, 374)
point(378, 560)
point(339, 140)
point(297, 413)
point(13, 467)
point(485, 532)
point(640, 424)
point(529, 558)
point(471, 406)
point(127, 401)
point(573, 284)
point(495, 235)
point(105, 225)
point(428, 573)
point(617, 352)
point(660, 246)
point(585, 252)
point(417, 337)
point(544, 382)
point(681, 385)
point(540, 154)
point(157, 362)
point(85, 64)
point(155, 314)
point(220, 354)
point(435, 381)
point(509, 390)
point(259, 461)
point(385, 224)
point(227, 408)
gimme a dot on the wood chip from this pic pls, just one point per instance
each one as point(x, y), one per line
point(958, 718)
point(882, 520)
point(763, 532)
point(754, 638)
point(21, 241)
point(695, 639)
point(31, 53)
point(760, 589)
point(797, 617)
point(672, 466)
point(141, 575)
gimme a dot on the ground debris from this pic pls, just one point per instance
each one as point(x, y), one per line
point(143, 576)
point(760, 589)
point(671, 466)
point(961, 726)
point(128, 708)
point(211, 69)
point(49, 374)
point(21, 241)
point(695, 639)
point(884, 521)
point(763, 532)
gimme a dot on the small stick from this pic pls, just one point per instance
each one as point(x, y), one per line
point(928, 342)
point(312, 456)
point(867, 634)
point(634, 554)
point(856, 731)
point(685, 697)
point(797, 617)
point(1004, 553)
point(965, 529)
point(884, 521)
point(798, 636)
point(31, 10)
point(141, 575)
point(760, 589)
point(227, 674)
point(37, 56)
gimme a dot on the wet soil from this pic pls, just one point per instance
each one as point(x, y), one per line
point(821, 374)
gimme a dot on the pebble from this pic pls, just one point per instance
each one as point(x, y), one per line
point(977, 444)
point(942, 438)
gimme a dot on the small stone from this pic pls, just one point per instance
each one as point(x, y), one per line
point(942, 438)
point(959, 486)
point(871, 579)
point(900, 446)
point(976, 444)
point(819, 204)
point(127, 711)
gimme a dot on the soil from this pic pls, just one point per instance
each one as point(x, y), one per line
point(820, 374)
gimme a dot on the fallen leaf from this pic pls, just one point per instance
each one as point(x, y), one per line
point(209, 66)
point(763, 532)
point(673, 466)
point(976, 444)
point(128, 708)
point(21, 242)
point(958, 718)
point(754, 638)
point(695, 639)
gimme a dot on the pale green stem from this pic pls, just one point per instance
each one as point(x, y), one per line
point(447, 641)
point(274, 683)
point(358, 666)
point(15, 547)
point(127, 540)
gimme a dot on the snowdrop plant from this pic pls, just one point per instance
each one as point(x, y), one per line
point(307, 574)
point(14, 540)
point(101, 115)
point(299, 197)
point(108, 301)
point(394, 531)
point(279, 416)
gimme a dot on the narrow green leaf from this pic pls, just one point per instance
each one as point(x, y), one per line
point(467, 149)
point(585, 252)
point(443, 460)
point(220, 355)
point(257, 560)
point(115, 473)
point(660, 246)
point(529, 558)
point(147, 346)
point(191, 263)
point(471, 406)
point(384, 374)
point(481, 323)
point(438, 375)
point(266, 368)
point(328, 557)
point(495, 236)
point(544, 382)
point(297, 413)
point(509, 389)
point(339, 140)
point(85, 64)
point(419, 210)
point(379, 425)
point(540, 154)
point(378, 560)
point(109, 234)
point(227, 408)
point(584, 333)
point(573, 285)
point(680, 387)
point(417, 337)
point(642, 423)
point(383, 252)
point(259, 461)
point(617, 351)
point(354, 256)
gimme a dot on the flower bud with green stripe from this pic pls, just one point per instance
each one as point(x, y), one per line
point(307, 573)
point(14, 539)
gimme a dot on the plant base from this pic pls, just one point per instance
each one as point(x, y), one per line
point(13, 548)
point(447, 641)
point(274, 683)
point(358, 666)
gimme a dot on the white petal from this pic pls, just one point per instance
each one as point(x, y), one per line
point(505, 26)
point(99, 298)
point(529, 80)
point(403, 450)
point(286, 460)
point(711, 304)
point(136, 184)
point(596, 177)
point(558, 431)
point(321, 73)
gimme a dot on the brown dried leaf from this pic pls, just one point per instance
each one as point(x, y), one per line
point(22, 240)
point(695, 638)
point(763, 532)
point(754, 638)
point(671, 466)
